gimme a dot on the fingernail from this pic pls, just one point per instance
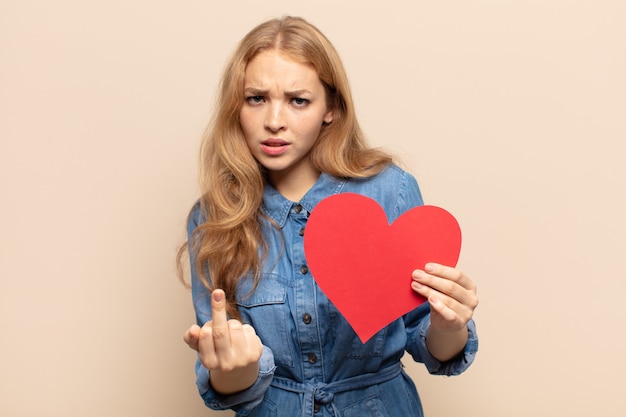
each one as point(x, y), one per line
point(429, 268)
point(419, 274)
point(218, 296)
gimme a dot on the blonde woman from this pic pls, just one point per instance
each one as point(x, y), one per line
point(269, 342)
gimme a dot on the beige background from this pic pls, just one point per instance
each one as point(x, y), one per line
point(512, 115)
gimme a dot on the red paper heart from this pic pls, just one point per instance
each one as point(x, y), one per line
point(363, 264)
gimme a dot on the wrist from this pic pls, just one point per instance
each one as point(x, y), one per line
point(445, 344)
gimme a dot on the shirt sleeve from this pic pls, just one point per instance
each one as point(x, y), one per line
point(242, 402)
point(417, 324)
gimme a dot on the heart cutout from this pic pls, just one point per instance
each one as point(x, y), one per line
point(363, 264)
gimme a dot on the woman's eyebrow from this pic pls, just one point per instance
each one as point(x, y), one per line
point(259, 92)
point(297, 93)
point(255, 91)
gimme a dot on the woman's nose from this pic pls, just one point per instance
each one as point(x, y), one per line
point(275, 119)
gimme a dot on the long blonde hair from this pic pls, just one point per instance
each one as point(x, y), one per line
point(227, 245)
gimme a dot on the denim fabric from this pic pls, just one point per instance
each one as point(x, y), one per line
point(309, 348)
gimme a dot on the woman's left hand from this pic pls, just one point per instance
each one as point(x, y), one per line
point(451, 294)
point(452, 298)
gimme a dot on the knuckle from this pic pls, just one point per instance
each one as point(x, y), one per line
point(205, 332)
point(227, 367)
point(219, 333)
point(234, 324)
point(207, 360)
point(248, 329)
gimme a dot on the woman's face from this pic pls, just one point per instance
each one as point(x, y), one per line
point(281, 117)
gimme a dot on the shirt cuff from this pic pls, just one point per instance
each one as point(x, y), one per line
point(242, 402)
point(454, 366)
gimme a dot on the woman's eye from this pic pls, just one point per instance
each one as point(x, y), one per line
point(300, 102)
point(254, 99)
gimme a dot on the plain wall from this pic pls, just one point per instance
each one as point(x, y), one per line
point(511, 114)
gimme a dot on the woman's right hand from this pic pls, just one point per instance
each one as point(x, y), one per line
point(229, 349)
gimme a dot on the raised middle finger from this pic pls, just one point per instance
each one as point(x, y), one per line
point(219, 323)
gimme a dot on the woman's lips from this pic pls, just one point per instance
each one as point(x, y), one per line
point(274, 147)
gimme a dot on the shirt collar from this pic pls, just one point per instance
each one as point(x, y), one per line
point(277, 207)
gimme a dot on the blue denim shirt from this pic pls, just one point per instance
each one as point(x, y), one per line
point(313, 363)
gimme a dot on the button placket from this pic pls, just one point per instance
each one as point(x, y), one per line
point(307, 328)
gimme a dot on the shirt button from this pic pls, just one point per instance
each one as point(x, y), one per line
point(301, 232)
point(312, 358)
point(297, 208)
point(306, 318)
point(304, 269)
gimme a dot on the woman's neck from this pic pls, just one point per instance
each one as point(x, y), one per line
point(293, 185)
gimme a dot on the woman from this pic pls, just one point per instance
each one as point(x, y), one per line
point(269, 342)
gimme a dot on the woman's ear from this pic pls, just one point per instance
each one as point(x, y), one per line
point(328, 117)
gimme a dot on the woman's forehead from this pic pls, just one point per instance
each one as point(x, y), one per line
point(273, 68)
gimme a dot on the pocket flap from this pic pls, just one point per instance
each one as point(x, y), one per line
point(271, 290)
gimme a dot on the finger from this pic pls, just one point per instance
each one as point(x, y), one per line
point(444, 280)
point(443, 309)
point(219, 323)
point(435, 296)
point(192, 336)
point(237, 338)
point(455, 314)
point(425, 283)
point(253, 342)
point(467, 297)
point(244, 340)
point(250, 335)
point(451, 295)
point(450, 273)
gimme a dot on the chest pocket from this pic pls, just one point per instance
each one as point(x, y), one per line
point(267, 310)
